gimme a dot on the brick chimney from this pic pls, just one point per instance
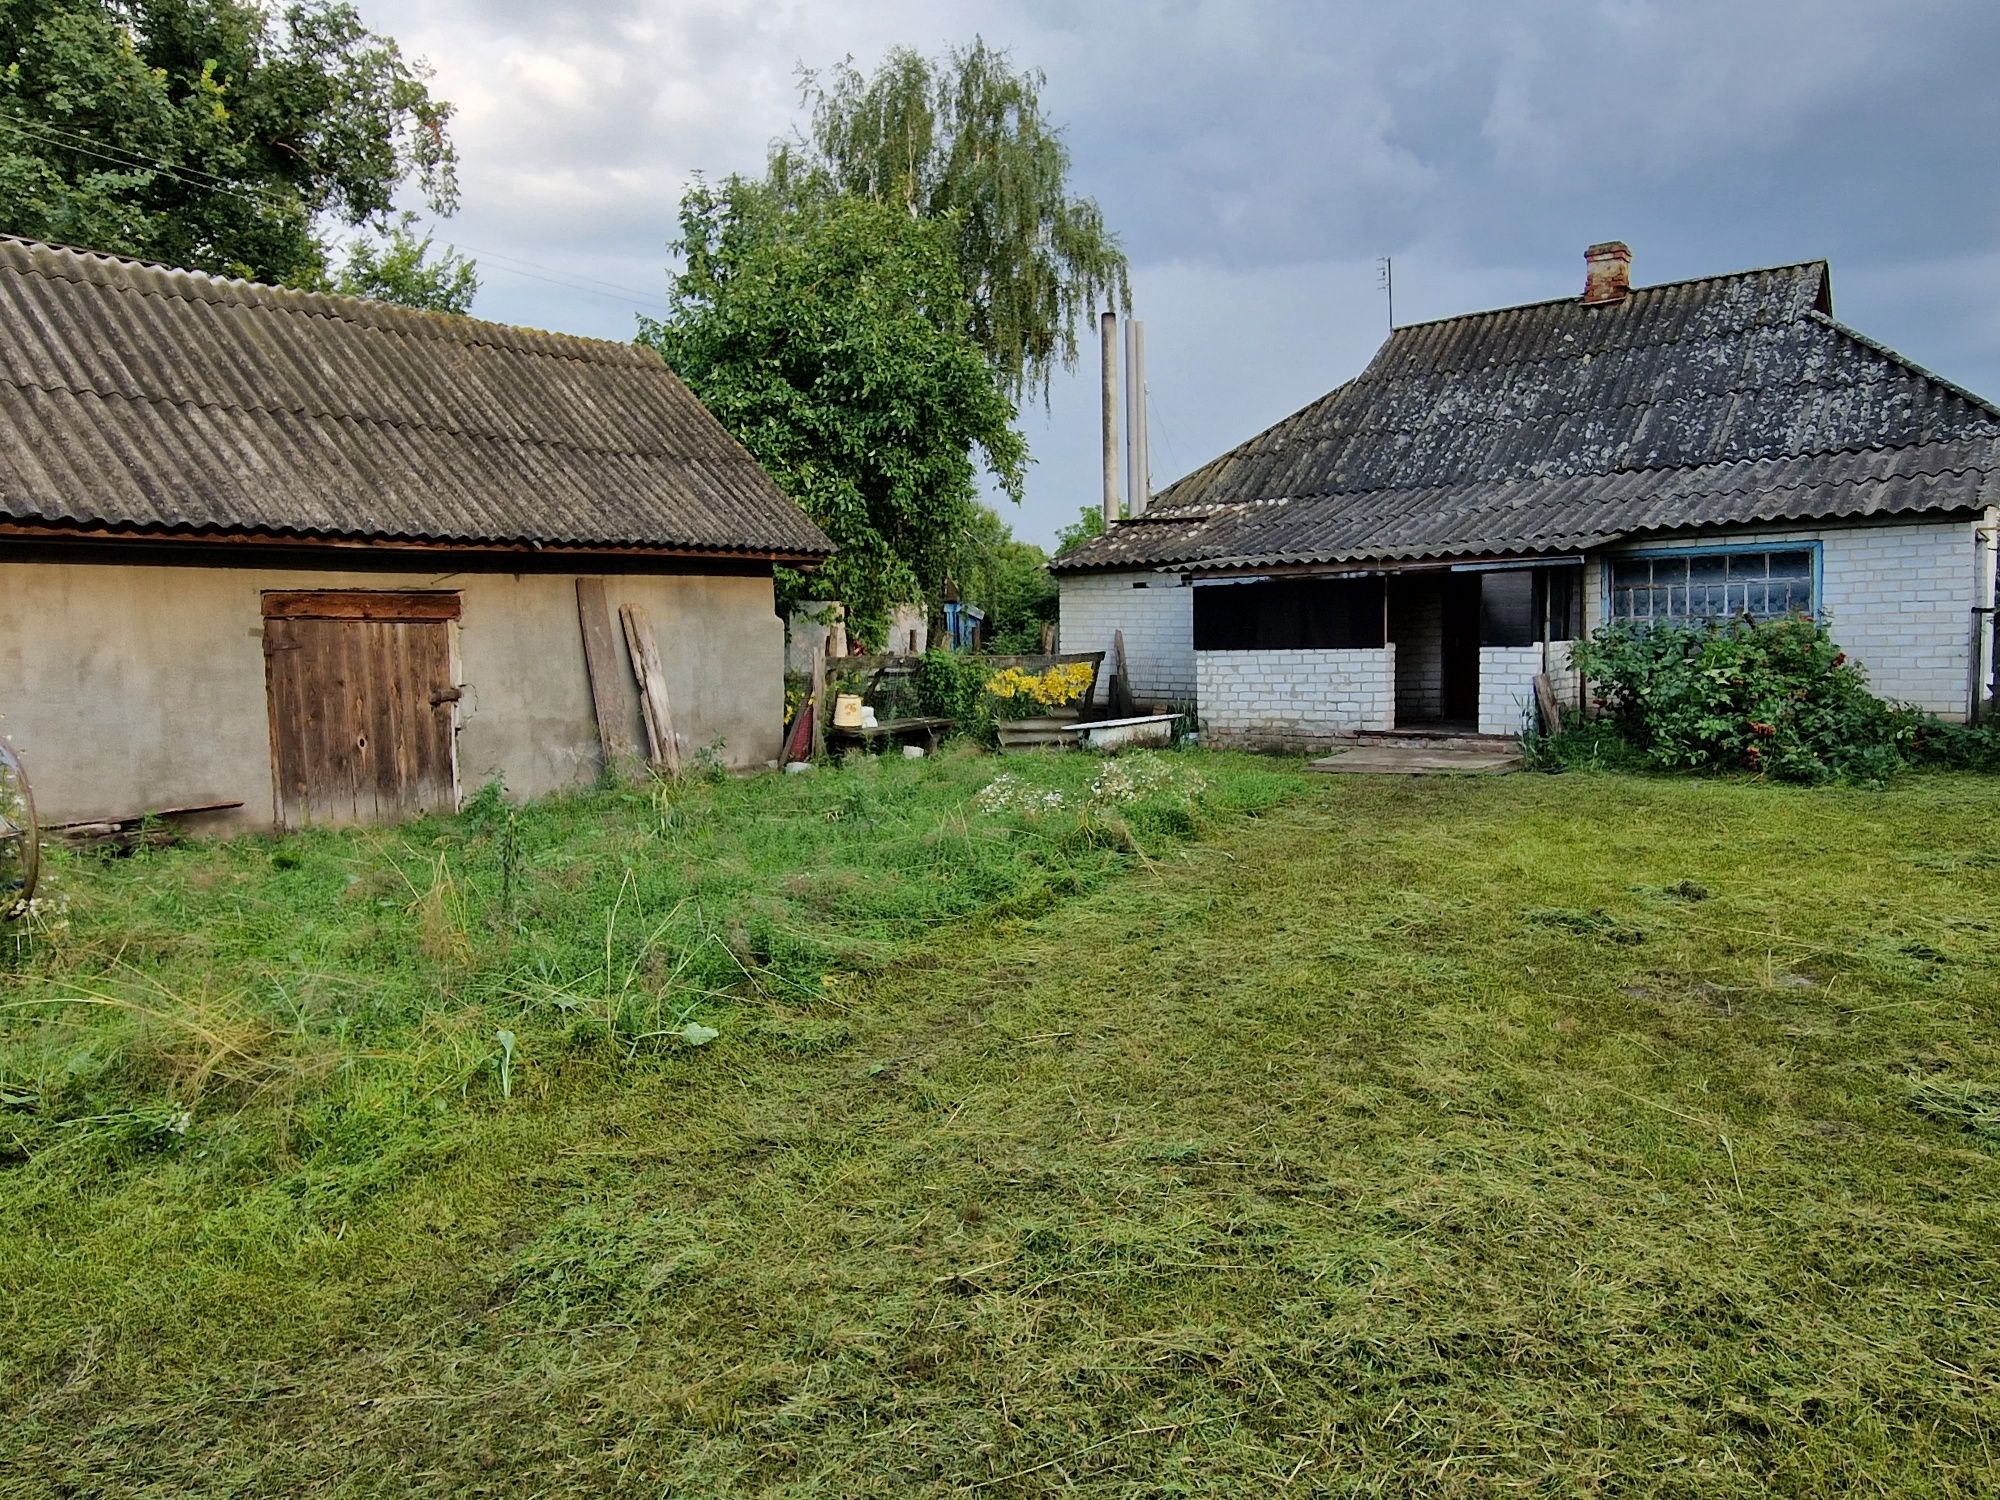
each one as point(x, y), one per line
point(1607, 274)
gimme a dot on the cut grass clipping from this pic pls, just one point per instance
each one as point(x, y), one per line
point(1290, 1137)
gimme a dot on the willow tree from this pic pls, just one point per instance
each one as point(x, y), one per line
point(961, 141)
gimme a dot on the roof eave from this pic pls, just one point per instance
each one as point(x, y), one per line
point(17, 530)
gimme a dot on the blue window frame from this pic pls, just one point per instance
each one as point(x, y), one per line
point(1695, 584)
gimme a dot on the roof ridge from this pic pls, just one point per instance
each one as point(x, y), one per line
point(1655, 286)
point(412, 322)
point(1920, 370)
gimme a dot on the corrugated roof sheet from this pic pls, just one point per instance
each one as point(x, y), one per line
point(137, 397)
point(1554, 426)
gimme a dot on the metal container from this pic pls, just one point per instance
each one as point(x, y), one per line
point(1051, 732)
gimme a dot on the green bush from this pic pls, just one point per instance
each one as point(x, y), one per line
point(952, 685)
point(1776, 698)
point(1959, 747)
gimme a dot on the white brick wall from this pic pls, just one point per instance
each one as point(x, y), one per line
point(1158, 621)
point(1507, 687)
point(1294, 700)
point(1416, 625)
point(1563, 676)
point(1898, 596)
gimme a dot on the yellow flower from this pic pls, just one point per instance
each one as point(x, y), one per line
point(1060, 684)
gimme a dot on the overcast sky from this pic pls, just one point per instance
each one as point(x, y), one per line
point(1257, 156)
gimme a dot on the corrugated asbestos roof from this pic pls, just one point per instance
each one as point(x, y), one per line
point(139, 398)
point(1556, 426)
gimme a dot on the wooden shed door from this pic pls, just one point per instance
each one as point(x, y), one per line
point(363, 705)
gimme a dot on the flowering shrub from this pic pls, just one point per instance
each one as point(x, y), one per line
point(1026, 693)
point(1776, 698)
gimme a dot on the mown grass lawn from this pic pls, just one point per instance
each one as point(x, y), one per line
point(1547, 1135)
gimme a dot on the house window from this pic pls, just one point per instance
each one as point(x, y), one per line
point(1562, 602)
point(1280, 614)
point(1688, 587)
point(1525, 606)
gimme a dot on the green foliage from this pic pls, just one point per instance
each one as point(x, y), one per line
point(1959, 747)
point(1009, 579)
point(1582, 744)
point(961, 141)
point(213, 134)
point(1776, 698)
point(1089, 522)
point(829, 337)
point(952, 685)
point(399, 269)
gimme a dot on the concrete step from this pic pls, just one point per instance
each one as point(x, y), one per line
point(1416, 760)
point(1429, 739)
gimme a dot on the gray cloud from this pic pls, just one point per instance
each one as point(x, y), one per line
point(1257, 157)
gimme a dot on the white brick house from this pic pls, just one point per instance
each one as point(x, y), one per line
point(1412, 550)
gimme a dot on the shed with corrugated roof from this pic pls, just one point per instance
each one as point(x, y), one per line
point(328, 559)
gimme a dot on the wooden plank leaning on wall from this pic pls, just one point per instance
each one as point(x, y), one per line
point(600, 660)
point(664, 748)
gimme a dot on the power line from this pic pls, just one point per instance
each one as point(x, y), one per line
point(132, 161)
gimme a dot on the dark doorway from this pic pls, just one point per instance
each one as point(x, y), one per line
point(1461, 648)
point(1434, 623)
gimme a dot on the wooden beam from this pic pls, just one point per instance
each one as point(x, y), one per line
point(392, 606)
point(666, 751)
point(600, 661)
point(819, 702)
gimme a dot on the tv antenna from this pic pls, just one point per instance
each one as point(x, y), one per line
point(1385, 278)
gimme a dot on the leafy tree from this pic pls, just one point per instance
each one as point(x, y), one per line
point(399, 269)
point(211, 133)
point(830, 337)
point(961, 140)
point(1089, 522)
point(1009, 579)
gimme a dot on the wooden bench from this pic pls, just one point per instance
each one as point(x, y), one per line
point(925, 730)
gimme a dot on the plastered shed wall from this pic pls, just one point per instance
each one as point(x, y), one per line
point(130, 685)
